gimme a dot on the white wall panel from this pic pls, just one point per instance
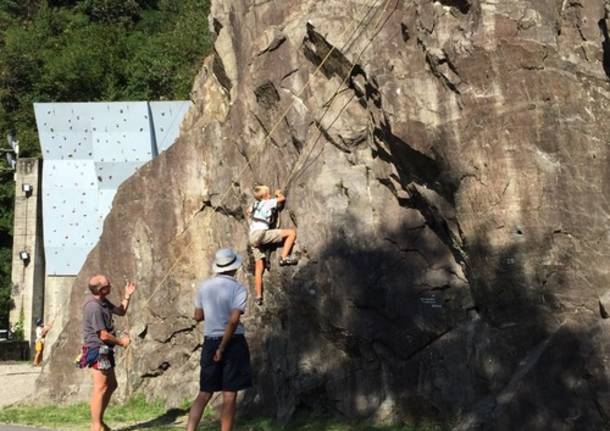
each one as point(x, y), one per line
point(89, 149)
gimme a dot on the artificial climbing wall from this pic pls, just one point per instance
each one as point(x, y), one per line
point(89, 149)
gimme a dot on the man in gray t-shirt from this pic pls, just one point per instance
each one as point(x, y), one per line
point(217, 297)
point(97, 316)
point(99, 339)
point(225, 358)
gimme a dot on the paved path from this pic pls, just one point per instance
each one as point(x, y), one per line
point(16, 428)
point(20, 377)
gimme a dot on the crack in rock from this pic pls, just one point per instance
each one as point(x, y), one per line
point(461, 5)
point(178, 331)
point(162, 368)
point(603, 26)
point(267, 95)
point(219, 71)
point(442, 67)
point(278, 39)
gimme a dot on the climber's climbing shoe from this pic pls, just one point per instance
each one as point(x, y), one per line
point(259, 301)
point(290, 260)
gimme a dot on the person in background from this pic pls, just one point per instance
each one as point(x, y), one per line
point(41, 332)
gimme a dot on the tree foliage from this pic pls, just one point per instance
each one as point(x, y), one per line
point(88, 50)
point(6, 240)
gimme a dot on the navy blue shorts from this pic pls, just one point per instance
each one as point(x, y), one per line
point(232, 373)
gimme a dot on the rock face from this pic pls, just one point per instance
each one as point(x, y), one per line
point(446, 164)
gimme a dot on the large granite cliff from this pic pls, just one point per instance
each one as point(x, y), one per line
point(446, 164)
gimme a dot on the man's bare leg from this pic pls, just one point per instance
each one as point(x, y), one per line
point(112, 385)
point(104, 383)
point(259, 268)
point(197, 410)
point(289, 235)
point(227, 417)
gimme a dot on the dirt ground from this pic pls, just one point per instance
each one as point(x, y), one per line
point(20, 377)
point(16, 428)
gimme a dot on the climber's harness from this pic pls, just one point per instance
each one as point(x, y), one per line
point(269, 221)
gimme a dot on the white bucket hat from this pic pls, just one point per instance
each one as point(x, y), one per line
point(226, 260)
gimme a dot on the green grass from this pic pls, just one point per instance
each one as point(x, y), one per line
point(75, 416)
point(328, 424)
point(138, 414)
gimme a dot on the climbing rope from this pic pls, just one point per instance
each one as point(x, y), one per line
point(296, 173)
point(361, 25)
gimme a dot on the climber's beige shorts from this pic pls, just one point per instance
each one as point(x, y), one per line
point(259, 238)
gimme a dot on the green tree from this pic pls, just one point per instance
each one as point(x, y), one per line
point(88, 50)
point(112, 11)
point(16, 9)
point(6, 243)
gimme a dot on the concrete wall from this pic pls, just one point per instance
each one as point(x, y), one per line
point(57, 294)
point(27, 277)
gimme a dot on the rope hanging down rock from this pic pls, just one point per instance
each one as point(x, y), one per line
point(296, 173)
point(361, 25)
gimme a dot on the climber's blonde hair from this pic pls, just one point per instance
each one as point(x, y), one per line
point(260, 192)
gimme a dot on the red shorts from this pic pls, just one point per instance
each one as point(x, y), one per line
point(90, 358)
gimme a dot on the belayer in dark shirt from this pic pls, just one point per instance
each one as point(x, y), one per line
point(99, 339)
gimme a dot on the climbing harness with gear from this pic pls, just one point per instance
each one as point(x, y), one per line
point(260, 214)
point(270, 218)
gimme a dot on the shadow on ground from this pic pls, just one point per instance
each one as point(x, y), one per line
point(168, 418)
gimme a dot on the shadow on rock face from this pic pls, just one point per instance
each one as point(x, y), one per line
point(347, 323)
point(371, 330)
point(603, 26)
point(548, 361)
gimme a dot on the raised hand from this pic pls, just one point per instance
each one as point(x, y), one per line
point(129, 289)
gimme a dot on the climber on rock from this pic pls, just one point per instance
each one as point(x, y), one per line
point(261, 214)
